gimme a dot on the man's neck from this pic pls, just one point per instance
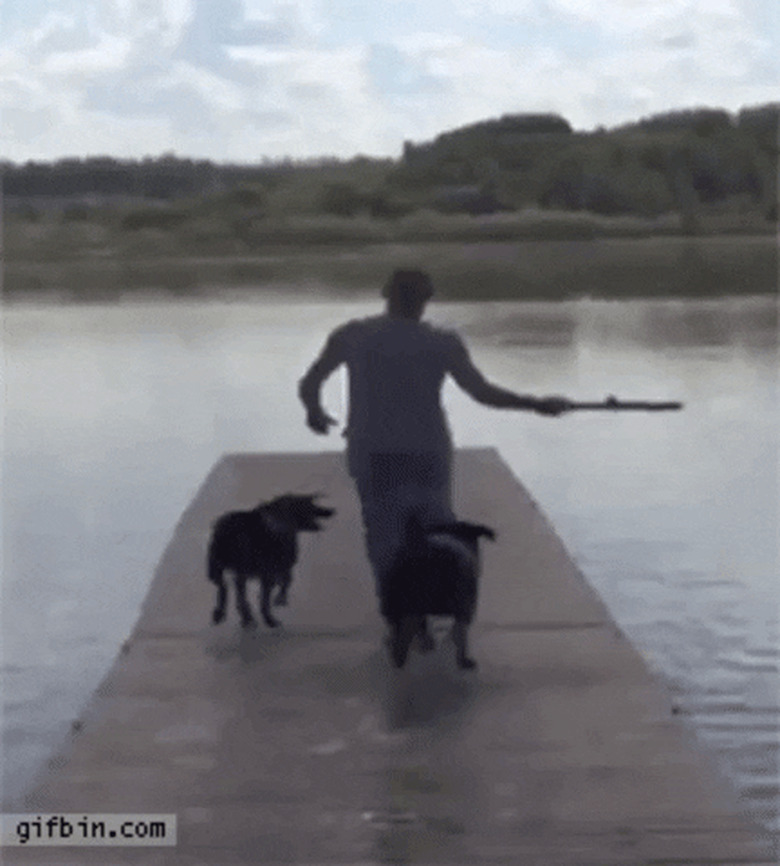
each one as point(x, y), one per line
point(406, 317)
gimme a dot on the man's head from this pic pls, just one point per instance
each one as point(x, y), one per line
point(407, 293)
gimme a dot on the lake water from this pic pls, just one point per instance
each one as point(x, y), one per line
point(114, 415)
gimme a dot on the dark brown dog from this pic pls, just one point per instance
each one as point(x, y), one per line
point(436, 572)
point(260, 544)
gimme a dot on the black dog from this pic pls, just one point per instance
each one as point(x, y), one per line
point(261, 544)
point(436, 572)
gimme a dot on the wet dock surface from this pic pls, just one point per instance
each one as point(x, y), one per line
point(305, 746)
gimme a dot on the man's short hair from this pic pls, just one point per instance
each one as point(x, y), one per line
point(409, 285)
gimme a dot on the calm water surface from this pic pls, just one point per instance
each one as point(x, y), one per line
point(114, 415)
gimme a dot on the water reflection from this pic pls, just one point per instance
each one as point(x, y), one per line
point(115, 415)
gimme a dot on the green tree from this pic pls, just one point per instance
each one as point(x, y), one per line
point(341, 199)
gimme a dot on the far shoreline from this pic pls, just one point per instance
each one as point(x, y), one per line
point(615, 267)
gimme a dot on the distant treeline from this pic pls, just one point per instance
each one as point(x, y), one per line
point(679, 161)
point(672, 161)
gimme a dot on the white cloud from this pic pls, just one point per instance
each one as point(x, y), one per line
point(633, 17)
point(306, 19)
point(522, 9)
point(166, 19)
point(237, 79)
point(324, 94)
point(218, 93)
point(110, 52)
point(643, 22)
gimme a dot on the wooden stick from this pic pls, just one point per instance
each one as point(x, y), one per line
point(613, 404)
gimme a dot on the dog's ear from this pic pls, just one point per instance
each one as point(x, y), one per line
point(466, 531)
point(484, 531)
point(322, 510)
point(309, 498)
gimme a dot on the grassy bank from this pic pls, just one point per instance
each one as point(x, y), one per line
point(540, 255)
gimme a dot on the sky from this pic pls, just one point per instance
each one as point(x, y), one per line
point(246, 80)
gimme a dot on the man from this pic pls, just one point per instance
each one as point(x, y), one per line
point(399, 449)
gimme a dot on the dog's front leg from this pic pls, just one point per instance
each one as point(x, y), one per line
point(218, 614)
point(265, 602)
point(460, 635)
point(244, 611)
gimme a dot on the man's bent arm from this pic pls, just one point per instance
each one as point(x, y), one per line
point(477, 386)
point(500, 398)
point(311, 383)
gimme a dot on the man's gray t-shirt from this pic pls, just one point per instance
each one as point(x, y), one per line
point(396, 371)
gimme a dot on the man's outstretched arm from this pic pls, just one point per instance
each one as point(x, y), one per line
point(311, 383)
point(477, 386)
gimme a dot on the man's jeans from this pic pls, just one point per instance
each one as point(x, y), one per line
point(390, 487)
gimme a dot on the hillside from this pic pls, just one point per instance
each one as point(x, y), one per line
point(676, 162)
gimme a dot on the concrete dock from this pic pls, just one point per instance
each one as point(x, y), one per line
point(304, 745)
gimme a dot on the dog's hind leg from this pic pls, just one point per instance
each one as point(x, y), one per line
point(218, 614)
point(425, 641)
point(265, 603)
point(460, 637)
point(283, 582)
point(404, 631)
point(244, 611)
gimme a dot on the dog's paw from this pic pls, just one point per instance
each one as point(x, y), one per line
point(398, 657)
point(248, 624)
point(271, 622)
point(217, 616)
point(467, 664)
